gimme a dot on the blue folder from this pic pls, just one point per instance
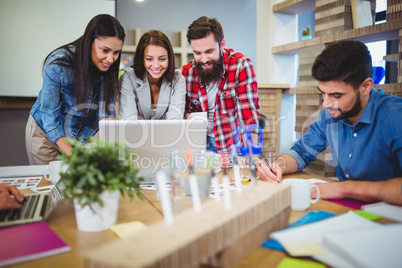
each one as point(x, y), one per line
point(311, 216)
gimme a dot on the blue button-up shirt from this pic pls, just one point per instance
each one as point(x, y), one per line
point(371, 150)
point(56, 111)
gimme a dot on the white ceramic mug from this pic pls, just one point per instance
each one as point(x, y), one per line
point(301, 193)
point(53, 169)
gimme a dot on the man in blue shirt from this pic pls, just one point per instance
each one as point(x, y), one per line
point(361, 125)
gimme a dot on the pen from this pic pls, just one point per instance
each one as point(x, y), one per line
point(266, 162)
point(269, 167)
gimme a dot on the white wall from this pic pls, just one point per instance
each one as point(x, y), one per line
point(276, 29)
point(238, 19)
point(31, 29)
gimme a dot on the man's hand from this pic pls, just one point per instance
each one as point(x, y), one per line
point(266, 174)
point(367, 191)
point(331, 190)
point(6, 200)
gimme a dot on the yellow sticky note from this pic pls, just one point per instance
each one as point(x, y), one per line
point(291, 263)
point(303, 248)
point(124, 230)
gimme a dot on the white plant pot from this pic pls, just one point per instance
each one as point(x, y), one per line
point(100, 218)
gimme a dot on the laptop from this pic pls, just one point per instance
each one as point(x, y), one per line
point(35, 207)
point(155, 140)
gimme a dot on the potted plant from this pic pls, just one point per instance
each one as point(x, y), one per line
point(306, 34)
point(97, 174)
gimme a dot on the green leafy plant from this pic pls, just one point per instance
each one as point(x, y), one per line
point(306, 32)
point(97, 167)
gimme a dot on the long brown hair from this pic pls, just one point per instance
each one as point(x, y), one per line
point(82, 64)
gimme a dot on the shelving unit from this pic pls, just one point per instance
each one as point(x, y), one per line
point(308, 101)
point(391, 57)
point(294, 6)
point(270, 105)
point(390, 30)
point(378, 32)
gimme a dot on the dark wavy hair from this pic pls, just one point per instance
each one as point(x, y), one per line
point(347, 61)
point(157, 38)
point(202, 26)
point(80, 61)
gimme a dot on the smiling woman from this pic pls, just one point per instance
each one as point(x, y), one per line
point(151, 88)
point(79, 89)
point(105, 51)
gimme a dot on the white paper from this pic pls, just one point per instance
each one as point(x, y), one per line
point(372, 247)
point(386, 210)
point(315, 232)
point(22, 182)
point(18, 171)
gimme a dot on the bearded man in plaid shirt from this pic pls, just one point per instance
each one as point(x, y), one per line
point(220, 82)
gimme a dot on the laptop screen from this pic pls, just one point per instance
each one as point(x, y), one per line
point(153, 140)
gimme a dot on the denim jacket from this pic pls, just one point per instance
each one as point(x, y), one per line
point(55, 110)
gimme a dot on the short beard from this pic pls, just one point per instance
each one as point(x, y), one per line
point(357, 107)
point(211, 74)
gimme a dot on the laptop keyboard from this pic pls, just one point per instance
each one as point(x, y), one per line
point(27, 210)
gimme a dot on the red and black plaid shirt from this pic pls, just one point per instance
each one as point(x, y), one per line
point(237, 101)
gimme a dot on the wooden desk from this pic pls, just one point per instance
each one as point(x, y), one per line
point(62, 221)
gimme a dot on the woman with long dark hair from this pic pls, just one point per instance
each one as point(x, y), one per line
point(80, 85)
point(151, 88)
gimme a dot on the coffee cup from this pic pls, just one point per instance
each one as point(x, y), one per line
point(301, 193)
point(52, 171)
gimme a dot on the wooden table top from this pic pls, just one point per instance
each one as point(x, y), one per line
point(62, 221)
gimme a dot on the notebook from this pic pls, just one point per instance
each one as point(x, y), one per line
point(36, 207)
point(154, 140)
point(28, 242)
point(315, 232)
point(378, 246)
point(386, 210)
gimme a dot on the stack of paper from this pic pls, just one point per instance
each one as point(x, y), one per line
point(347, 240)
point(373, 247)
point(386, 210)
